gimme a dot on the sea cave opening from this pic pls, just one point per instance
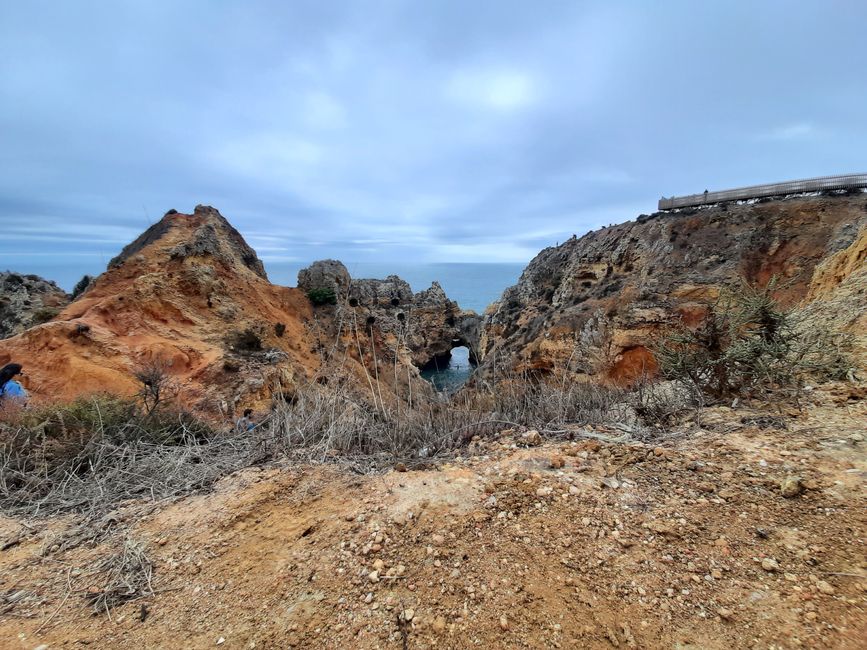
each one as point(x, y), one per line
point(449, 371)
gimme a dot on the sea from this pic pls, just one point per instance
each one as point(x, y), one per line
point(471, 285)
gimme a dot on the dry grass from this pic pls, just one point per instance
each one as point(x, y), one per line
point(125, 575)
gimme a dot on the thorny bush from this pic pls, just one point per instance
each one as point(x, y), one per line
point(747, 343)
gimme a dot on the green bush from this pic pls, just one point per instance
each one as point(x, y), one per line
point(322, 296)
point(43, 315)
point(81, 286)
point(747, 343)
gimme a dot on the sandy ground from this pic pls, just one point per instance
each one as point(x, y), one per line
point(682, 542)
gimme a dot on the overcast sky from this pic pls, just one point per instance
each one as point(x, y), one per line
point(406, 131)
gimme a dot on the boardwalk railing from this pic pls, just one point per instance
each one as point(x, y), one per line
point(851, 181)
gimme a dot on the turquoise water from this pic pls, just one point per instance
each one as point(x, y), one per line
point(454, 375)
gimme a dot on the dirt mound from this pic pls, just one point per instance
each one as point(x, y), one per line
point(748, 532)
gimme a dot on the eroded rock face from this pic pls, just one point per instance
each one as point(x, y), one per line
point(27, 300)
point(190, 294)
point(214, 237)
point(597, 302)
point(325, 274)
point(426, 324)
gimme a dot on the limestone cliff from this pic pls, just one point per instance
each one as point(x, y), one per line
point(597, 301)
point(27, 300)
point(426, 325)
point(190, 295)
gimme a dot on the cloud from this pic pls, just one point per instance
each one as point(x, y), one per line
point(322, 111)
point(403, 131)
point(497, 90)
point(794, 131)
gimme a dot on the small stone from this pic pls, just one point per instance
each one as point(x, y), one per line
point(438, 539)
point(573, 490)
point(221, 641)
point(725, 613)
point(373, 576)
point(825, 588)
point(439, 624)
point(557, 461)
point(504, 623)
point(532, 438)
point(706, 486)
point(408, 614)
point(791, 486)
point(769, 564)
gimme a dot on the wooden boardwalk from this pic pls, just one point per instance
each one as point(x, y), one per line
point(851, 181)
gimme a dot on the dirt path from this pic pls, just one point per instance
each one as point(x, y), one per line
point(687, 544)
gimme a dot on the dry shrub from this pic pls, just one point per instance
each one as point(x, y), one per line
point(92, 453)
point(125, 575)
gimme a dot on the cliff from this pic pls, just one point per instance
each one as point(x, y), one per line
point(597, 302)
point(27, 300)
point(190, 295)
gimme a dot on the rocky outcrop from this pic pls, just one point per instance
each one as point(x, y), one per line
point(596, 302)
point(426, 325)
point(190, 295)
point(837, 296)
point(27, 300)
point(214, 237)
point(325, 275)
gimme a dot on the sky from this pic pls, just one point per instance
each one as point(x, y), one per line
point(406, 131)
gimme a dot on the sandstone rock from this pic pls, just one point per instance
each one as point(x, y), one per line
point(770, 564)
point(791, 486)
point(619, 287)
point(531, 438)
point(725, 613)
point(825, 588)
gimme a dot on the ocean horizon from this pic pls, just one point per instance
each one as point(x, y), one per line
point(473, 285)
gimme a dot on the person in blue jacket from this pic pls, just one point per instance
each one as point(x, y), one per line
point(9, 388)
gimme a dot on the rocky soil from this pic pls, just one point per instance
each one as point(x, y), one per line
point(741, 528)
point(598, 301)
point(27, 300)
